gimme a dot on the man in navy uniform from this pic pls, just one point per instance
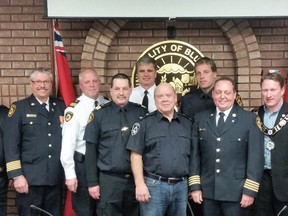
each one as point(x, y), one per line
point(32, 143)
point(227, 155)
point(108, 169)
point(3, 174)
point(272, 198)
point(73, 145)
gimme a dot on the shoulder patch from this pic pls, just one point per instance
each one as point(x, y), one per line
point(91, 117)
point(135, 129)
point(12, 110)
point(68, 116)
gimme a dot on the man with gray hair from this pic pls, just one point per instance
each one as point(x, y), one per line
point(32, 145)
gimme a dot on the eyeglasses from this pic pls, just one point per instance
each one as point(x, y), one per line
point(40, 82)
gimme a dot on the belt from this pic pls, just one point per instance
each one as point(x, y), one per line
point(268, 172)
point(169, 180)
point(121, 175)
point(79, 156)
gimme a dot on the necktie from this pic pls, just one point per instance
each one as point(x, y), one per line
point(124, 126)
point(96, 103)
point(145, 99)
point(44, 107)
point(220, 122)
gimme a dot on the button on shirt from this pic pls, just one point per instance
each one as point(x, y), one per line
point(73, 132)
point(269, 122)
point(165, 146)
point(138, 94)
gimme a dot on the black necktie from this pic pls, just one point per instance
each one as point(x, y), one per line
point(145, 99)
point(96, 103)
point(124, 126)
point(44, 107)
point(220, 122)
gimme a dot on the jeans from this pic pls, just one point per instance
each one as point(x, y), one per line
point(169, 198)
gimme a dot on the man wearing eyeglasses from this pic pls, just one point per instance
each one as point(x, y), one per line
point(32, 145)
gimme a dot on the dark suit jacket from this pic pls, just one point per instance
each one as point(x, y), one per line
point(279, 156)
point(228, 164)
point(32, 141)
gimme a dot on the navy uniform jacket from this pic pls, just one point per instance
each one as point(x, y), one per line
point(165, 146)
point(279, 156)
point(3, 115)
point(105, 150)
point(229, 164)
point(32, 141)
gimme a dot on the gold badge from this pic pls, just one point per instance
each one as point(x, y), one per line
point(12, 110)
point(258, 122)
point(68, 116)
point(91, 117)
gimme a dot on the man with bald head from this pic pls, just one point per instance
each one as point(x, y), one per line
point(160, 145)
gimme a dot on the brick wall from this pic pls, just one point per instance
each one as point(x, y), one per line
point(241, 48)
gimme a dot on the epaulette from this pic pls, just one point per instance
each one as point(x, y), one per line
point(73, 104)
point(137, 104)
point(106, 98)
point(147, 115)
point(101, 106)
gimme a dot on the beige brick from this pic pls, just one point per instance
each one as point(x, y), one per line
point(42, 49)
point(5, 49)
point(42, 33)
point(272, 39)
point(213, 48)
point(35, 41)
point(35, 57)
point(25, 64)
point(33, 10)
point(11, 57)
point(23, 33)
point(12, 25)
point(10, 10)
point(22, 17)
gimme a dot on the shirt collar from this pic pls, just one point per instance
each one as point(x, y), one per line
point(160, 116)
point(206, 95)
point(150, 90)
point(226, 112)
point(266, 110)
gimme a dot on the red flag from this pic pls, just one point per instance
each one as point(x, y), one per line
point(286, 92)
point(64, 77)
point(66, 90)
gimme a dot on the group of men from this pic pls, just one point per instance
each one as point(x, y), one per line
point(136, 155)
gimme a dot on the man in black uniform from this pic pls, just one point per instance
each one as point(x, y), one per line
point(3, 174)
point(227, 155)
point(201, 98)
point(32, 143)
point(109, 174)
point(161, 145)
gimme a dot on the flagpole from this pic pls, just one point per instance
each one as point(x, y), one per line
point(52, 56)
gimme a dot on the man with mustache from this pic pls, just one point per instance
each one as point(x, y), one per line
point(32, 144)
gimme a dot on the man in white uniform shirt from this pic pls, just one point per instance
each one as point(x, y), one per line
point(144, 93)
point(73, 145)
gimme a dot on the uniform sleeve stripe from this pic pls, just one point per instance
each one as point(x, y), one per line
point(251, 185)
point(194, 180)
point(14, 165)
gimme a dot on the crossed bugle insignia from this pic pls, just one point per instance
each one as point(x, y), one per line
point(272, 131)
point(12, 110)
point(68, 116)
point(91, 117)
point(135, 129)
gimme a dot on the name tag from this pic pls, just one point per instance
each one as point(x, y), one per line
point(31, 115)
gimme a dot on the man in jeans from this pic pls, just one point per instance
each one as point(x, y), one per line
point(161, 155)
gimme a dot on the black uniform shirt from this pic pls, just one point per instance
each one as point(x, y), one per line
point(103, 134)
point(165, 146)
point(3, 115)
point(196, 101)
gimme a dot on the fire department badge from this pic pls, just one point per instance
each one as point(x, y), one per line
point(12, 110)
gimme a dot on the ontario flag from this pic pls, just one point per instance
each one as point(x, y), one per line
point(66, 90)
point(286, 90)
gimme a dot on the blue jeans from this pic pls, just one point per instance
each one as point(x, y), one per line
point(169, 198)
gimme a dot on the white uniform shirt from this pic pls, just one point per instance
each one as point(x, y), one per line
point(73, 131)
point(138, 94)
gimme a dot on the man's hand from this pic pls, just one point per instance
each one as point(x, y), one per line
point(21, 184)
point(246, 201)
point(72, 184)
point(196, 196)
point(142, 193)
point(94, 192)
